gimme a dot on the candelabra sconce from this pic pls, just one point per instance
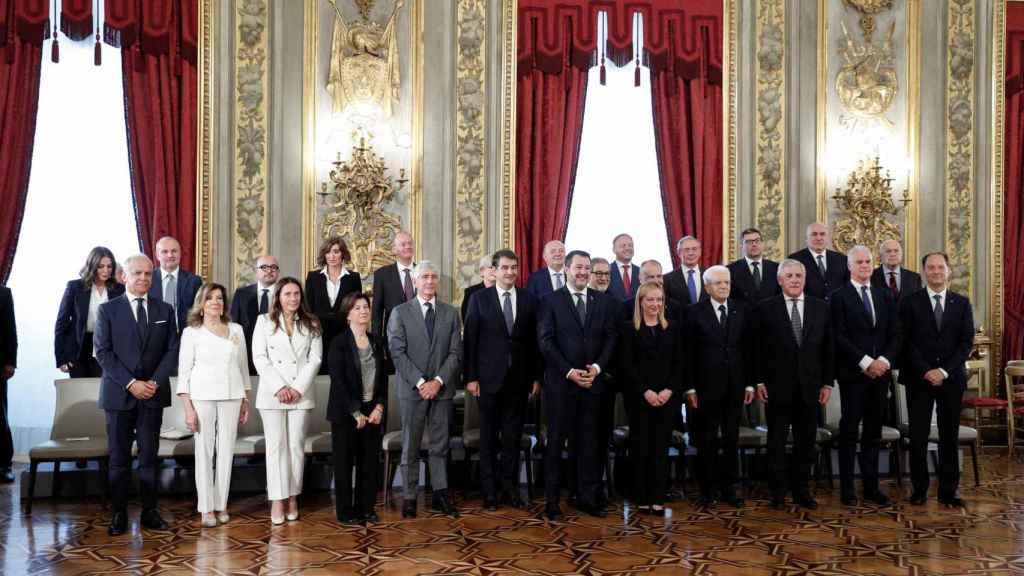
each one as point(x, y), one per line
point(866, 205)
point(355, 196)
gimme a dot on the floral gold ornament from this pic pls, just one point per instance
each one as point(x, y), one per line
point(364, 61)
point(870, 7)
point(866, 206)
point(867, 83)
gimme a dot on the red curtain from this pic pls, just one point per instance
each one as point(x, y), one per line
point(1013, 182)
point(23, 25)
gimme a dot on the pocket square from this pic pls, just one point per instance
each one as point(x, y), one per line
point(160, 322)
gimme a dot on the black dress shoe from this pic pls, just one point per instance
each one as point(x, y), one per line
point(118, 524)
point(778, 503)
point(918, 498)
point(491, 504)
point(6, 476)
point(732, 499)
point(806, 501)
point(705, 501)
point(372, 517)
point(441, 503)
point(878, 498)
point(409, 509)
point(514, 501)
point(595, 510)
point(952, 501)
point(151, 519)
point(553, 512)
point(848, 499)
point(348, 516)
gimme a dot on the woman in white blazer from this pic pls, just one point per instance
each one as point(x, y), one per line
point(213, 377)
point(286, 349)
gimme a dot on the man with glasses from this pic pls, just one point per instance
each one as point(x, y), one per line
point(753, 275)
point(255, 299)
point(600, 275)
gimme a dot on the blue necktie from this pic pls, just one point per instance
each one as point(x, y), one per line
point(141, 318)
point(867, 304)
point(691, 284)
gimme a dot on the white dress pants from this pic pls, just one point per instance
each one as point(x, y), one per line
point(218, 427)
point(285, 434)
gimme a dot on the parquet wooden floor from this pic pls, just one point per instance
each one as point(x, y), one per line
point(69, 537)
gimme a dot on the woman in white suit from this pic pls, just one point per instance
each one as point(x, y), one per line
point(213, 378)
point(287, 349)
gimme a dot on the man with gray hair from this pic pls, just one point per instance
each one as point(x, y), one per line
point(684, 283)
point(891, 274)
point(488, 276)
point(423, 336)
point(600, 274)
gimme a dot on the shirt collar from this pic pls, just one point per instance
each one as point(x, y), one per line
point(344, 271)
point(132, 298)
point(403, 267)
point(261, 287)
point(620, 264)
point(502, 291)
point(696, 270)
point(574, 292)
point(932, 294)
point(859, 285)
point(816, 254)
point(552, 271)
point(887, 270)
point(168, 273)
point(799, 298)
point(715, 304)
point(423, 302)
point(750, 261)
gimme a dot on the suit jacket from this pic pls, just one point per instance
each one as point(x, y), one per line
point(837, 273)
point(716, 360)
point(676, 288)
point(743, 281)
point(492, 355)
point(784, 367)
point(539, 282)
point(69, 332)
point(648, 363)
point(245, 309)
point(416, 356)
point(347, 377)
point(282, 361)
point(124, 357)
point(566, 343)
point(466, 295)
point(910, 282)
point(927, 347)
point(387, 293)
point(8, 330)
point(616, 288)
point(320, 303)
point(188, 287)
point(855, 334)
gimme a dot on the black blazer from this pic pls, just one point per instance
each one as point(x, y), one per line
point(539, 282)
point(616, 288)
point(837, 272)
point(716, 360)
point(565, 343)
point(320, 303)
point(784, 367)
point(466, 295)
point(856, 337)
point(188, 287)
point(743, 281)
point(69, 331)
point(491, 355)
point(387, 293)
point(910, 282)
point(927, 347)
point(676, 289)
point(245, 308)
point(649, 362)
point(8, 330)
point(347, 377)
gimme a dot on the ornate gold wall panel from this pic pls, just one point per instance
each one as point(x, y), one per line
point(508, 123)
point(205, 150)
point(470, 142)
point(770, 128)
point(730, 37)
point(960, 99)
point(249, 200)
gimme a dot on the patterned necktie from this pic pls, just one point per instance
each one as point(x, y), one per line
point(407, 285)
point(171, 292)
point(938, 311)
point(866, 300)
point(691, 285)
point(798, 324)
point(723, 318)
point(894, 286)
point(757, 275)
point(264, 301)
point(506, 310)
point(581, 308)
point(429, 319)
point(627, 288)
point(141, 319)
point(821, 265)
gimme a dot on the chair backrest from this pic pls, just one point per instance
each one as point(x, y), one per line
point(834, 408)
point(903, 410)
point(254, 427)
point(394, 417)
point(754, 414)
point(174, 415)
point(470, 413)
point(1014, 390)
point(318, 419)
point(77, 414)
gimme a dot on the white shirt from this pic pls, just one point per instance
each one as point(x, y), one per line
point(942, 300)
point(867, 360)
point(259, 294)
point(555, 275)
point(333, 287)
point(760, 265)
point(95, 299)
point(401, 274)
point(511, 296)
point(211, 367)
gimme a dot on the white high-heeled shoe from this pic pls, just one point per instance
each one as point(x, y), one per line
point(223, 517)
point(292, 516)
point(209, 520)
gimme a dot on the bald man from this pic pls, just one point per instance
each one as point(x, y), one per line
point(552, 276)
point(826, 269)
point(891, 274)
point(392, 285)
point(172, 283)
point(252, 300)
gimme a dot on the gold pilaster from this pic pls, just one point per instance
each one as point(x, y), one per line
point(959, 186)
point(770, 128)
point(206, 148)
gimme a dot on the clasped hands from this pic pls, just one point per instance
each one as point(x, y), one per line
point(288, 395)
point(584, 378)
point(876, 369)
point(373, 418)
point(657, 398)
point(142, 389)
point(430, 389)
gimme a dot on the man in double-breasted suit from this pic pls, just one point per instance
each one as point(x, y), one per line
point(502, 368)
point(423, 335)
point(577, 332)
point(172, 283)
point(938, 327)
point(252, 300)
point(136, 343)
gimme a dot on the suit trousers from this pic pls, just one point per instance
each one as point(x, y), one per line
point(218, 427)
point(921, 398)
point(501, 430)
point(863, 401)
point(86, 366)
point(715, 427)
point(571, 416)
point(285, 434)
point(803, 418)
point(434, 417)
point(650, 430)
point(358, 449)
point(140, 425)
point(6, 440)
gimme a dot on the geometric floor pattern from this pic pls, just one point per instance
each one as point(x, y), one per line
point(69, 537)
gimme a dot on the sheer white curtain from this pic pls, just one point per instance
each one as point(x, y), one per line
point(617, 187)
point(79, 196)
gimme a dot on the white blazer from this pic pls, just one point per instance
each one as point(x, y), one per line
point(285, 361)
point(211, 367)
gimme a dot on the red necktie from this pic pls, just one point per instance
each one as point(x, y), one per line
point(892, 285)
point(626, 287)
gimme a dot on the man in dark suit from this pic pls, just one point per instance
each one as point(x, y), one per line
point(252, 300)
point(650, 271)
point(891, 274)
point(502, 368)
point(718, 382)
point(136, 342)
point(684, 283)
point(826, 269)
point(173, 284)
point(600, 274)
point(487, 279)
point(625, 275)
point(392, 285)
point(577, 332)
point(865, 321)
point(753, 275)
point(552, 277)
point(794, 365)
point(938, 327)
point(8, 365)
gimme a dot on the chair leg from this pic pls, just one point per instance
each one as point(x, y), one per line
point(55, 493)
point(899, 463)
point(529, 475)
point(974, 460)
point(104, 481)
point(33, 467)
point(387, 478)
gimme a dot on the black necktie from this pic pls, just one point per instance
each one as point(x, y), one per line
point(141, 320)
point(821, 265)
point(429, 319)
point(757, 275)
point(867, 304)
point(723, 318)
point(506, 310)
point(938, 311)
point(581, 308)
point(264, 301)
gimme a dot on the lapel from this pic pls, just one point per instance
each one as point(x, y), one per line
point(157, 288)
point(350, 349)
point(814, 265)
point(745, 278)
point(82, 303)
point(252, 304)
point(711, 317)
point(570, 302)
point(520, 310)
point(858, 303)
point(591, 303)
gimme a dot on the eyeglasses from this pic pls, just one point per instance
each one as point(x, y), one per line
point(269, 268)
point(601, 273)
point(751, 240)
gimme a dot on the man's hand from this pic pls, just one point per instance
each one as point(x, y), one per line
point(65, 368)
point(429, 389)
point(934, 376)
point(9, 372)
point(473, 388)
point(762, 393)
point(748, 396)
point(824, 395)
point(534, 391)
point(142, 389)
point(692, 398)
point(581, 378)
point(375, 416)
point(592, 372)
point(665, 395)
point(877, 368)
point(360, 421)
point(652, 398)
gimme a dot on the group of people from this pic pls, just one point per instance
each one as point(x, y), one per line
point(581, 332)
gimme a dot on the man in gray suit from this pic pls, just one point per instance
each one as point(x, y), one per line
point(423, 335)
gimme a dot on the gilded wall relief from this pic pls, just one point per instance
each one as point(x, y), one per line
point(960, 100)
point(249, 239)
point(770, 129)
point(205, 173)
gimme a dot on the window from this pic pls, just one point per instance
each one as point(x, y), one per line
point(79, 196)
